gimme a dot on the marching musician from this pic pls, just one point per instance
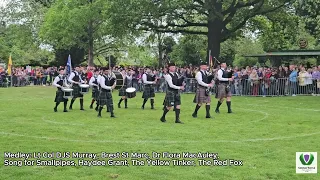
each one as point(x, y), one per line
point(95, 88)
point(76, 80)
point(107, 82)
point(59, 82)
point(127, 83)
point(224, 91)
point(148, 80)
point(172, 97)
point(201, 94)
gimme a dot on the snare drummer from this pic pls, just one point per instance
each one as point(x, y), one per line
point(148, 80)
point(76, 80)
point(127, 83)
point(95, 88)
point(59, 82)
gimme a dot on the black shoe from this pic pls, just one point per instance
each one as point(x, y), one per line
point(82, 109)
point(217, 111)
point(178, 121)
point(112, 115)
point(208, 116)
point(162, 119)
point(65, 110)
point(229, 111)
point(70, 108)
point(96, 109)
point(55, 109)
point(194, 115)
point(152, 107)
point(91, 107)
point(126, 107)
point(119, 106)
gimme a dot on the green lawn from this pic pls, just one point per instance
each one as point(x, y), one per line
point(265, 133)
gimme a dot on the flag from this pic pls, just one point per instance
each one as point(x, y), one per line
point(69, 66)
point(9, 65)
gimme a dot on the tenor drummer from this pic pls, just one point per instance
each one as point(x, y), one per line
point(172, 97)
point(76, 80)
point(95, 88)
point(107, 82)
point(148, 80)
point(201, 95)
point(59, 82)
point(127, 83)
point(224, 91)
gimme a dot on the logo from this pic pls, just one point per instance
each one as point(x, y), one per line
point(306, 162)
point(303, 43)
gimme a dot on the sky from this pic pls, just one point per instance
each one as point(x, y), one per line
point(3, 3)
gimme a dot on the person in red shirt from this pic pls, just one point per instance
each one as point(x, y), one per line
point(89, 73)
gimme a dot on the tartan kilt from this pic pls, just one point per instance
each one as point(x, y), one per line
point(201, 97)
point(76, 91)
point(122, 91)
point(95, 93)
point(105, 98)
point(59, 96)
point(222, 91)
point(148, 92)
point(172, 99)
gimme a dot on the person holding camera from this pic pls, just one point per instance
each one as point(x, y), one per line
point(224, 91)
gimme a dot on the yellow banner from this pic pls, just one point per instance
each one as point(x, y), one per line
point(9, 65)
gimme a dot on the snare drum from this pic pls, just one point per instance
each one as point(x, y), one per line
point(67, 93)
point(131, 92)
point(84, 88)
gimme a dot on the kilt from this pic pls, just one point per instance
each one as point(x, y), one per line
point(148, 92)
point(59, 96)
point(201, 97)
point(76, 91)
point(172, 99)
point(105, 98)
point(122, 91)
point(222, 91)
point(95, 93)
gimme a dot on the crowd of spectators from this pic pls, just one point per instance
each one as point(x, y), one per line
point(256, 81)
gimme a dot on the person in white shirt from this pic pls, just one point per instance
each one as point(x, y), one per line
point(148, 80)
point(59, 82)
point(172, 97)
point(75, 79)
point(93, 82)
point(107, 83)
point(201, 95)
point(127, 77)
point(224, 90)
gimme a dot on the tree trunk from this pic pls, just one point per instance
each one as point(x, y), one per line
point(215, 26)
point(214, 40)
point(159, 49)
point(90, 53)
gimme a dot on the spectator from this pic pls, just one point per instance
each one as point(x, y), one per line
point(254, 78)
point(293, 80)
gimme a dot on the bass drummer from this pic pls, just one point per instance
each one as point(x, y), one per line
point(127, 77)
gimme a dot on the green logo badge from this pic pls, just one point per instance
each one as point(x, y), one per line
point(306, 159)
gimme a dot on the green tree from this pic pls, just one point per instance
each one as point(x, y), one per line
point(218, 20)
point(70, 23)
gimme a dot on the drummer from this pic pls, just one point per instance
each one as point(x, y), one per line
point(127, 77)
point(76, 80)
point(95, 88)
point(59, 82)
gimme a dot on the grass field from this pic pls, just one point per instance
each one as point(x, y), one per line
point(265, 133)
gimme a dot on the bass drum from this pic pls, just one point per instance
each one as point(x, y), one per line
point(120, 81)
